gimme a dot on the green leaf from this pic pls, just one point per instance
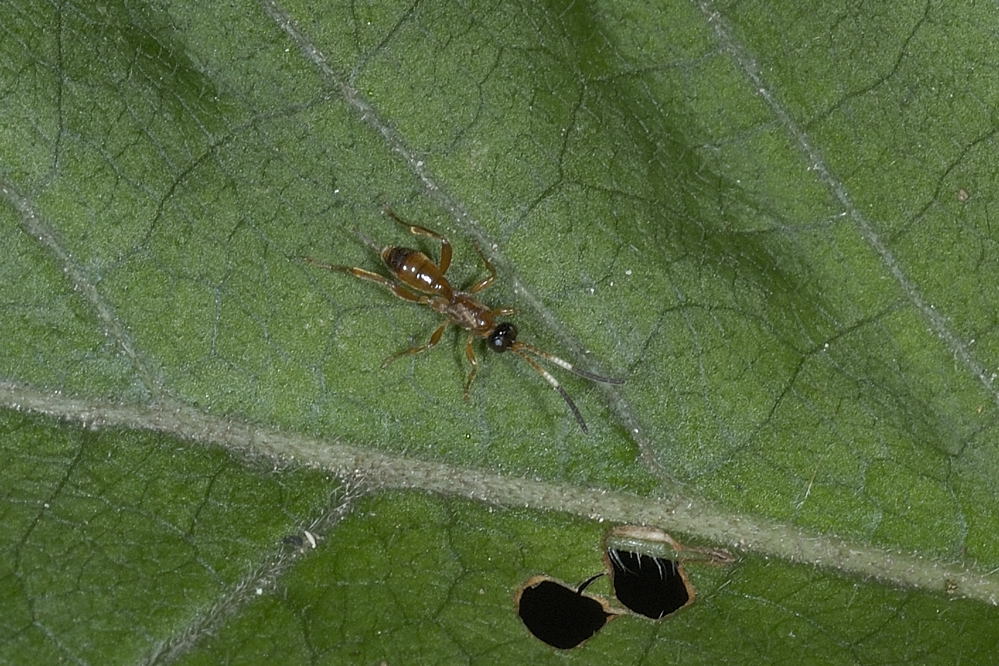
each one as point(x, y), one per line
point(774, 220)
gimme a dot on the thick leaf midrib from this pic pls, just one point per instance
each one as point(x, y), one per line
point(685, 515)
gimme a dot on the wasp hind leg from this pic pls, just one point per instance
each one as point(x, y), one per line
point(445, 259)
point(435, 337)
point(362, 274)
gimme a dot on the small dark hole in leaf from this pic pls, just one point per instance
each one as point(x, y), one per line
point(650, 586)
point(559, 615)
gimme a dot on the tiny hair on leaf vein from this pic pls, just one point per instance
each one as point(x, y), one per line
point(416, 278)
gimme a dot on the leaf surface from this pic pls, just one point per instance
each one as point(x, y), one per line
point(774, 220)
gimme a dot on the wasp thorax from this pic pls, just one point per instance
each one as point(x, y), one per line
point(502, 337)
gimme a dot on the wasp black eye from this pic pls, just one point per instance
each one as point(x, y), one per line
point(502, 337)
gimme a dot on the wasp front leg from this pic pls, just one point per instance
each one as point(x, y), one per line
point(470, 355)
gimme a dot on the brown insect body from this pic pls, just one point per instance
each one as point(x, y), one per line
point(417, 271)
point(427, 285)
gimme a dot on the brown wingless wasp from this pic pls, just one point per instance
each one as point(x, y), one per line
point(416, 278)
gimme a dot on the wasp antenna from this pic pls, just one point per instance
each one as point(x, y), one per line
point(562, 363)
point(554, 383)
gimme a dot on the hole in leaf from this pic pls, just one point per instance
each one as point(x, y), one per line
point(647, 577)
point(651, 586)
point(559, 615)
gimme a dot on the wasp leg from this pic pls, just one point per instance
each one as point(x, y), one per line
point(486, 281)
point(362, 274)
point(470, 355)
point(435, 337)
point(445, 260)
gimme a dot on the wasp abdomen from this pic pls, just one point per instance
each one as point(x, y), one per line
point(416, 270)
